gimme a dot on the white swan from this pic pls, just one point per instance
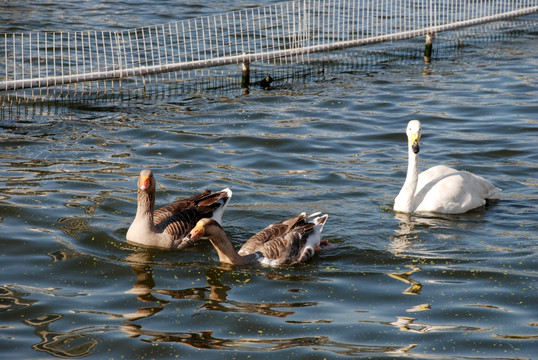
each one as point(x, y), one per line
point(440, 188)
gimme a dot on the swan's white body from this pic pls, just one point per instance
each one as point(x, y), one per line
point(440, 188)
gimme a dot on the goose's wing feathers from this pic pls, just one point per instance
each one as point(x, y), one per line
point(177, 206)
point(289, 242)
point(271, 232)
point(286, 248)
point(179, 217)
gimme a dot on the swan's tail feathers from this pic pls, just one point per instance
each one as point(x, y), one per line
point(226, 195)
point(494, 193)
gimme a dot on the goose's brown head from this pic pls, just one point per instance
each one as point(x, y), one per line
point(204, 229)
point(146, 181)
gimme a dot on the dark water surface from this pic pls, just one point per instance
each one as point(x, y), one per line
point(432, 287)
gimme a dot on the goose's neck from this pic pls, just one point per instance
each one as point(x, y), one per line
point(226, 251)
point(409, 187)
point(146, 207)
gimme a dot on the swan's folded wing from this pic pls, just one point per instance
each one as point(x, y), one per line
point(454, 192)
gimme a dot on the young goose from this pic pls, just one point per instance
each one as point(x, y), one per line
point(283, 243)
point(440, 188)
point(165, 227)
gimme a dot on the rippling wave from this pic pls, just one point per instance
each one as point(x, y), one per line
point(390, 285)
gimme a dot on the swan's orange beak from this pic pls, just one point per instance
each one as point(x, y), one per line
point(144, 182)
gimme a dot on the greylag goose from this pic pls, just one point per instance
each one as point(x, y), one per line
point(165, 227)
point(440, 188)
point(287, 242)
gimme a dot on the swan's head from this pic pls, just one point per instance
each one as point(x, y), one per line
point(146, 181)
point(413, 135)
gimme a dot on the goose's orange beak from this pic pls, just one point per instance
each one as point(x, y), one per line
point(197, 231)
point(192, 237)
point(144, 183)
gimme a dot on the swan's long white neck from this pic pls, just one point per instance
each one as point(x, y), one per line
point(407, 193)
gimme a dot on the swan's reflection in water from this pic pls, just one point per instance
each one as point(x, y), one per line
point(405, 323)
point(403, 240)
point(405, 236)
point(445, 228)
point(406, 243)
point(409, 324)
point(415, 287)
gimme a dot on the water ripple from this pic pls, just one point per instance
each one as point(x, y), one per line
point(390, 285)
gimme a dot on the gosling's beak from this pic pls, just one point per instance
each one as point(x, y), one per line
point(144, 183)
point(415, 142)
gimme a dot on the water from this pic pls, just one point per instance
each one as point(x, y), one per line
point(433, 287)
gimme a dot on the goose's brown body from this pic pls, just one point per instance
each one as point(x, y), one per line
point(165, 227)
point(287, 242)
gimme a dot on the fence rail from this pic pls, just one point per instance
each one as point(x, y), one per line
point(271, 33)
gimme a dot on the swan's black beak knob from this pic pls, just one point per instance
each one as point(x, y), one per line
point(415, 147)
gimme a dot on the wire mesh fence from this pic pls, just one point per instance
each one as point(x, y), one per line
point(41, 66)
